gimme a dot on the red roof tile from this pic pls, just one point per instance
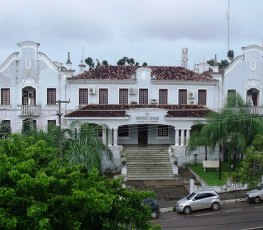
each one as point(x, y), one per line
point(114, 110)
point(158, 73)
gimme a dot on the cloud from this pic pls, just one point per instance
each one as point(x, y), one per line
point(148, 30)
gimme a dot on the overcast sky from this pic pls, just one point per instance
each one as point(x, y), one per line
point(152, 31)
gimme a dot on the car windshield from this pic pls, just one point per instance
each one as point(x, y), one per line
point(190, 196)
point(259, 187)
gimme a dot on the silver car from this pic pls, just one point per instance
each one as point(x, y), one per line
point(255, 195)
point(197, 200)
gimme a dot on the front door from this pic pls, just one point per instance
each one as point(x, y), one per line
point(142, 134)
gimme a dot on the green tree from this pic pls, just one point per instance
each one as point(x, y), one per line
point(89, 61)
point(230, 55)
point(198, 139)
point(251, 169)
point(131, 61)
point(223, 64)
point(122, 61)
point(38, 190)
point(230, 131)
point(98, 63)
point(105, 63)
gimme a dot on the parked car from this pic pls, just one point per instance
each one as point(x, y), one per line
point(152, 203)
point(255, 195)
point(201, 199)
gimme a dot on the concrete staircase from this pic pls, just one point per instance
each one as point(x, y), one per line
point(148, 163)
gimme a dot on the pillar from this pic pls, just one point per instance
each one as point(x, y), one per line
point(104, 135)
point(115, 136)
point(187, 136)
point(110, 137)
point(176, 136)
point(182, 137)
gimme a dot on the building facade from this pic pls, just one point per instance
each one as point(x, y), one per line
point(132, 105)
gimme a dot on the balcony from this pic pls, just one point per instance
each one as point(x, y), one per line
point(30, 110)
point(258, 110)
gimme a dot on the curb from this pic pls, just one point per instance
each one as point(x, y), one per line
point(171, 209)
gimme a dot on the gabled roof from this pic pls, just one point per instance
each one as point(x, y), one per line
point(114, 110)
point(129, 72)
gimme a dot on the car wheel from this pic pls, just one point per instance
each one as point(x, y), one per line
point(154, 215)
point(187, 210)
point(215, 206)
point(257, 200)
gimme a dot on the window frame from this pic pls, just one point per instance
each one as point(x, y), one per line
point(202, 99)
point(51, 96)
point(123, 96)
point(163, 96)
point(103, 96)
point(162, 131)
point(5, 96)
point(182, 97)
point(124, 131)
point(143, 96)
point(83, 96)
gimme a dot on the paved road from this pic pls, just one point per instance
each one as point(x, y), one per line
point(238, 216)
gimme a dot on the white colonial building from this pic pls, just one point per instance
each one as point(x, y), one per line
point(155, 105)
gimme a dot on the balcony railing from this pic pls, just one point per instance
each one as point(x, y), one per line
point(256, 110)
point(30, 110)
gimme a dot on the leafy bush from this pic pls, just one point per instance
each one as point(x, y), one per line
point(40, 191)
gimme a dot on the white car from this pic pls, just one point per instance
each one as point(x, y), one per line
point(197, 200)
point(255, 195)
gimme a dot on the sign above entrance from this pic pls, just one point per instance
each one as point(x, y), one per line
point(147, 118)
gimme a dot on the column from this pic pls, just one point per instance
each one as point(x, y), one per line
point(182, 137)
point(187, 136)
point(104, 135)
point(110, 137)
point(115, 136)
point(176, 136)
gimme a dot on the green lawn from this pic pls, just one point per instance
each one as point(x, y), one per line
point(211, 176)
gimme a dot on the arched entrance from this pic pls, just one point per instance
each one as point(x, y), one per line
point(252, 97)
point(29, 125)
point(28, 96)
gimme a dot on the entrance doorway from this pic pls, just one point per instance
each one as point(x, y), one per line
point(142, 134)
point(252, 97)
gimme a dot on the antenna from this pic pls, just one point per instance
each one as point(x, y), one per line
point(82, 56)
point(82, 65)
point(184, 57)
point(228, 24)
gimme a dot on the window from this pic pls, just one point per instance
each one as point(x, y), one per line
point(51, 124)
point(51, 96)
point(83, 96)
point(143, 96)
point(162, 131)
point(5, 96)
point(123, 96)
point(182, 97)
point(163, 96)
point(29, 125)
point(201, 97)
point(231, 92)
point(103, 96)
point(5, 128)
point(123, 131)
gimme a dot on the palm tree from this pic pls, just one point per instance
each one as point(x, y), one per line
point(198, 139)
point(230, 131)
point(87, 149)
